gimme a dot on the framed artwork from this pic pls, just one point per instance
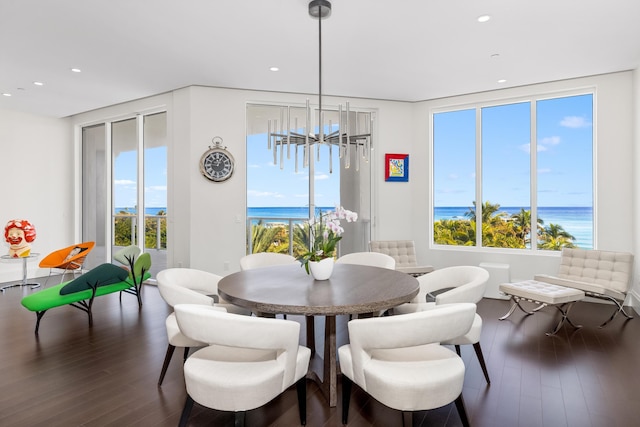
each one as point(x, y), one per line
point(396, 167)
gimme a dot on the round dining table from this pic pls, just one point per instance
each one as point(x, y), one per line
point(288, 289)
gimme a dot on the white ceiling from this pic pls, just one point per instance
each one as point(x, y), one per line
point(408, 50)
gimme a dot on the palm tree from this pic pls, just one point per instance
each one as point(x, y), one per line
point(522, 224)
point(301, 239)
point(266, 238)
point(490, 212)
point(554, 237)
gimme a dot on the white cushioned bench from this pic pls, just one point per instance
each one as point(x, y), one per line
point(544, 294)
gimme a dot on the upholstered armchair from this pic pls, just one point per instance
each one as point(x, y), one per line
point(604, 275)
point(404, 252)
point(248, 361)
point(398, 361)
point(466, 283)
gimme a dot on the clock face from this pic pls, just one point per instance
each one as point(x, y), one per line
point(216, 164)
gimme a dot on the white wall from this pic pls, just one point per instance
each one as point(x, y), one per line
point(37, 183)
point(212, 229)
point(635, 206)
point(203, 216)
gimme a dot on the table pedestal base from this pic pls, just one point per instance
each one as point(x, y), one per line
point(329, 382)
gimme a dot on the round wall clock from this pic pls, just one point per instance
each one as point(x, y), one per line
point(216, 164)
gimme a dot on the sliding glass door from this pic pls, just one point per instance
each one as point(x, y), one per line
point(124, 193)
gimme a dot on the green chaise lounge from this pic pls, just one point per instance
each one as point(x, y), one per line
point(82, 291)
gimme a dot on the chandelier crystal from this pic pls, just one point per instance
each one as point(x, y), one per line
point(351, 136)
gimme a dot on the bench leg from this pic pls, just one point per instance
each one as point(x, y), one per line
point(516, 303)
point(39, 315)
point(565, 316)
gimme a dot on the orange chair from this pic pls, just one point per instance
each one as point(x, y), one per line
point(69, 259)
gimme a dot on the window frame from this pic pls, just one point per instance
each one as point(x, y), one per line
point(477, 106)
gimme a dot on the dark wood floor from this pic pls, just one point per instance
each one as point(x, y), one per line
point(73, 375)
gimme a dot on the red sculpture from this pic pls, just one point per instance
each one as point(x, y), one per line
point(19, 233)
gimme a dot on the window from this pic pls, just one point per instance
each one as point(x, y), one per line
point(283, 193)
point(528, 162)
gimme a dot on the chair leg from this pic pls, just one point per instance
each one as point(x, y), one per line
point(407, 419)
point(239, 418)
point(346, 398)
point(165, 365)
point(462, 411)
point(458, 350)
point(47, 279)
point(186, 354)
point(483, 365)
point(301, 388)
point(186, 411)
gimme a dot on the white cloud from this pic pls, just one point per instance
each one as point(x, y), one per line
point(574, 122)
point(254, 166)
point(157, 188)
point(317, 177)
point(527, 148)
point(544, 170)
point(549, 140)
point(123, 182)
point(453, 176)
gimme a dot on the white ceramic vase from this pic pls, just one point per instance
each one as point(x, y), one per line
point(321, 270)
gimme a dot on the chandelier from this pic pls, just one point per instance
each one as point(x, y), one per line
point(351, 136)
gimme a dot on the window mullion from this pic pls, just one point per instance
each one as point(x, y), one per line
point(534, 175)
point(479, 203)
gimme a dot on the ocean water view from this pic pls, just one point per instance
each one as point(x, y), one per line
point(147, 211)
point(578, 221)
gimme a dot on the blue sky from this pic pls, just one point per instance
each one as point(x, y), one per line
point(564, 151)
point(269, 186)
point(125, 179)
point(564, 154)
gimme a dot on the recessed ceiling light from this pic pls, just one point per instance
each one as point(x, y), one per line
point(38, 83)
point(502, 81)
point(274, 69)
point(76, 70)
point(6, 94)
point(483, 18)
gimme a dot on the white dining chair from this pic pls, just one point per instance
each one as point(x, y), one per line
point(466, 283)
point(265, 259)
point(373, 259)
point(398, 361)
point(187, 286)
point(248, 361)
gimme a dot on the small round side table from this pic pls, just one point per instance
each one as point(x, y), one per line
point(24, 281)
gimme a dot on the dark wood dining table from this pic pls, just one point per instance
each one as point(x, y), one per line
point(352, 289)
